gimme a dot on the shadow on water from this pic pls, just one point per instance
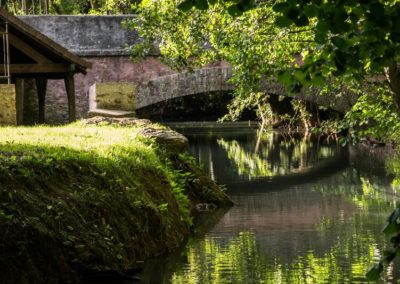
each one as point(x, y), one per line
point(305, 212)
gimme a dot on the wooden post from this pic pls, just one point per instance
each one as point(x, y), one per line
point(70, 87)
point(41, 86)
point(19, 100)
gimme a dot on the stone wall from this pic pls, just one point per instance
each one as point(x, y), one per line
point(86, 35)
point(101, 40)
point(104, 69)
point(8, 108)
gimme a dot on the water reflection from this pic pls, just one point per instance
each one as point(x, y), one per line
point(302, 214)
point(274, 154)
point(244, 156)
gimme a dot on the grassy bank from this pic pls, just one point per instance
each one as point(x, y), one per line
point(104, 195)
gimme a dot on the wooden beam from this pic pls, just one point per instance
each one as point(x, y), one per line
point(70, 87)
point(19, 100)
point(41, 86)
point(39, 68)
point(27, 49)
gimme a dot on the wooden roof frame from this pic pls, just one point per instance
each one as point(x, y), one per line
point(19, 32)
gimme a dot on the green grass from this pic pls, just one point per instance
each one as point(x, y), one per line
point(104, 195)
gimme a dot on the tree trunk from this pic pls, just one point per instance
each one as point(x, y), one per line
point(393, 76)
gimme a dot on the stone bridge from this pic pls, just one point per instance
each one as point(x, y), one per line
point(102, 41)
point(216, 79)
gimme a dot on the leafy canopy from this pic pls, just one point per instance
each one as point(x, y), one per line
point(353, 38)
point(254, 47)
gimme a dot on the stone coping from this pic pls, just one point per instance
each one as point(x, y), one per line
point(110, 113)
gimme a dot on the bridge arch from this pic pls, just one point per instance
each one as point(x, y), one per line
point(183, 84)
point(216, 79)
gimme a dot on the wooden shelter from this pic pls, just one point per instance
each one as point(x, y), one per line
point(28, 54)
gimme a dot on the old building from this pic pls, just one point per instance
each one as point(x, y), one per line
point(29, 60)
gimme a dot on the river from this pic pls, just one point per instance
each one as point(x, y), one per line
point(306, 211)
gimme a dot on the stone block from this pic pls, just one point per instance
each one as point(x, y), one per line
point(110, 113)
point(8, 109)
point(112, 96)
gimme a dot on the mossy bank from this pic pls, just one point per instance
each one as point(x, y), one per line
point(104, 193)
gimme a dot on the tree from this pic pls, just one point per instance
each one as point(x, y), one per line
point(354, 39)
point(340, 41)
point(347, 43)
point(253, 45)
point(35, 7)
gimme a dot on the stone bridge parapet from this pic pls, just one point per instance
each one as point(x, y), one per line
point(187, 83)
point(213, 79)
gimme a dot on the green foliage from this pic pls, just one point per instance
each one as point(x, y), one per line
point(104, 195)
point(251, 43)
point(299, 43)
point(352, 38)
point(178, 181)
point(70, 7)
point(235, 9)
point(372, 116)
point(392, 230)
point(392, 226)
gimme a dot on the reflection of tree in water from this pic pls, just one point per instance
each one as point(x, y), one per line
point(276, 155)
point(250, 164)
point(321, 225)
point(238, 260)
point(366, 193)
point(340, 250)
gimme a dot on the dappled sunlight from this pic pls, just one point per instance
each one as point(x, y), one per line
point(104, 141)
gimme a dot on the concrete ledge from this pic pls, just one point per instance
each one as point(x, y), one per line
point(8, 107)
point(110, 113)
point(101, 52)
point(112, 96)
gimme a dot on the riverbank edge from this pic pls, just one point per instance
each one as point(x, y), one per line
point(51, 230)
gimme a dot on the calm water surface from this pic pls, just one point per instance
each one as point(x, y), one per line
point(306, 211)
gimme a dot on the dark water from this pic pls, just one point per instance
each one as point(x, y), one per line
point(306, 211)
